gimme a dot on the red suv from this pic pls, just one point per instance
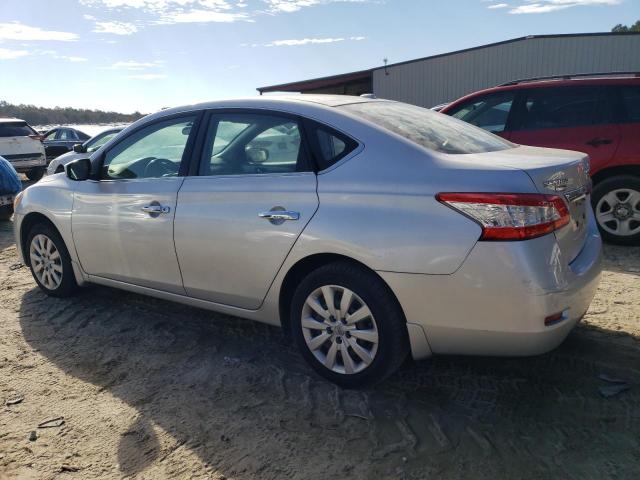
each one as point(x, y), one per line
point(598, 116)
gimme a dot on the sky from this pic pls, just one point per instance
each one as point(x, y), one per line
point(128, 55)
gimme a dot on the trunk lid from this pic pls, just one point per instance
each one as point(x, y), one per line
point(557, 172)
point(19, 145)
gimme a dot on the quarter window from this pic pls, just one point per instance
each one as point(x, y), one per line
point(489, 113)
point(631, 102)
point(155, 151)
point(330, 146)
point(240, 143)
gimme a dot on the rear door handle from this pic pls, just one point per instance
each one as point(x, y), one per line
point(155, 209)
point(596, 142)
point(279, 215)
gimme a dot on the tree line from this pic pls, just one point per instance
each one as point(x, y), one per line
point(63, 115)
point(624, 29)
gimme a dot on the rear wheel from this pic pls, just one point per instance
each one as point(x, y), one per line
point(348, 325)
point(50, 262)
point(616, 203)
point(35, 174)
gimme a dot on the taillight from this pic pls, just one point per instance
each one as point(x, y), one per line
point(37, 137)
point(510, 216)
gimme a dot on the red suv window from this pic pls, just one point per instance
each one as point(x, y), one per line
point(543, 108)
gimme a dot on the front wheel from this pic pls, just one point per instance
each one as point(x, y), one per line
point(348, 325)
point(50, 262)
point(616, 204)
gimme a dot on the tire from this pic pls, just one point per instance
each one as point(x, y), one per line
point(386, 319)
point(35, 174)
point(6, 211)
point(618, 199)
point(67, 285)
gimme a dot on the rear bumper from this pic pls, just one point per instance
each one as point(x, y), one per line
point(496, 303)
point(25, 164)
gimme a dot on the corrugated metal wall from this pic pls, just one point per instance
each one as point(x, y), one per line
point(442, 79)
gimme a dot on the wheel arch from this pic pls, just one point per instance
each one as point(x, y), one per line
point(27, 224)
point(306, 265)
point(615, 171)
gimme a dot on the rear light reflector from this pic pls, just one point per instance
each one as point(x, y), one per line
point(553, 319)
point(510, 216)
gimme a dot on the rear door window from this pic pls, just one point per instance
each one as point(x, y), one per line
point(15, 129)
point(562, 107)
point(489, 112)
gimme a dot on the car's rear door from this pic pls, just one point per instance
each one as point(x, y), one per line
point(239, 216)
point(579, 118)
point(123, 222)
point(19, 145)
point(628, 152)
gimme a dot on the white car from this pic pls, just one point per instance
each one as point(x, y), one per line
point(22, 146)
point(81, 150)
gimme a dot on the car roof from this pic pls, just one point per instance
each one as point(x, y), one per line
point(295, 104)
point(548, 83)
point(11, 120)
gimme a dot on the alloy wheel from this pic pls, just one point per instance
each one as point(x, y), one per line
point(46, 261)
point(618, 212)
point(339, 329)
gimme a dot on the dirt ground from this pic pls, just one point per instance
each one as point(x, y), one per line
point(149, 389)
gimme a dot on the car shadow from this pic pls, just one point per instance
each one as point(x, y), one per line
point(237, 394)
point(622, 259)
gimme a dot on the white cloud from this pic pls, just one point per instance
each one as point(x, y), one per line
point(205, 11)
point(498, 5)
point(203, 16)
point(147, 76)
point(115, 28)
point(545, 6)
point(18, 31)
point(305, 41)
point(295, 5)
point(134, 65)
point(8, 54)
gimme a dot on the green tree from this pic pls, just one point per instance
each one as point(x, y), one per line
point(624, 29)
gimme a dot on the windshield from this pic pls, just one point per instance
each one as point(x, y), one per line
point(429, 129)
point(15, 129)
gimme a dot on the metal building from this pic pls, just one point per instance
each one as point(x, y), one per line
point(442, 78)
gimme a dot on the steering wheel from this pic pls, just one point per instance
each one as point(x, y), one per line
point(160, 167)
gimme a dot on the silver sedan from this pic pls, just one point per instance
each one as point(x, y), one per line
point(371, 230)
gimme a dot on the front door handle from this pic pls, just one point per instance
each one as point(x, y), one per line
point(155, 209)
point(278, 215)
point(596, 142)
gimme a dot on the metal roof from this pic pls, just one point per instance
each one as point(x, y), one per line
point(333, 80)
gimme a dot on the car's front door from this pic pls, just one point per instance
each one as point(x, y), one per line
point(573, 118)
point(239, 218)
point(490, 112)
point(123, 222)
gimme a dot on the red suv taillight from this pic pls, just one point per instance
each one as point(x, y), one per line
point(510, 216)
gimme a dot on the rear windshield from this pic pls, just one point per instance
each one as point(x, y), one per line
point(429, 129)
point(15, 129)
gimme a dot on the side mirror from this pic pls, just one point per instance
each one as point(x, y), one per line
point(257, 155)
point(79, 148)
point(79, 170)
